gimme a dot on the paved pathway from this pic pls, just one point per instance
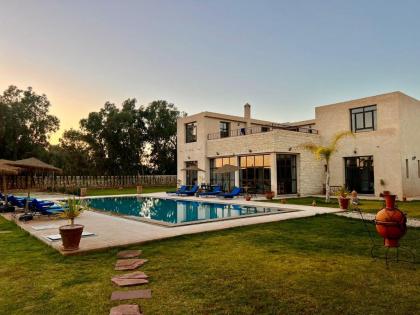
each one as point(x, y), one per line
point(371, 216)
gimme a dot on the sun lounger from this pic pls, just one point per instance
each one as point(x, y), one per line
point(234, 193)
point(190, 192)
point(216, 191)
point(181, 189)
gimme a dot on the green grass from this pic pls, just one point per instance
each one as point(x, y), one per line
point(130, 190)
point(318, 265)
point(412, 208)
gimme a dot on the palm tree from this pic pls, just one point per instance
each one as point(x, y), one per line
point(325, 153)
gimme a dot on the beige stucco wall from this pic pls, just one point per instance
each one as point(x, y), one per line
point(383, 144)
point(410, 144)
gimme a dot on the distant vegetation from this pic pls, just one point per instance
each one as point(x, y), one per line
point(129, 139)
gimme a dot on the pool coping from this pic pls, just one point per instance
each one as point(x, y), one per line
point(280, 209)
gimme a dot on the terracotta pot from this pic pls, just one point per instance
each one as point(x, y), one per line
point(71, 235)
point(391, 223)
point(384, 193)
point(344, 203)
point(247, 198)
point(269, 195)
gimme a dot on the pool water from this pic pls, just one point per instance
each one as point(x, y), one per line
point(172, 211)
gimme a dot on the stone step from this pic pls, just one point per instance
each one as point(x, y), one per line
point(129, 264)
point(126, 309)
point(129, 295)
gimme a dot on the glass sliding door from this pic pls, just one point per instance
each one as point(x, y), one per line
point(359, 174)
point(191, 174)
point(255, 173)
point(286, 174)
point(225, 180)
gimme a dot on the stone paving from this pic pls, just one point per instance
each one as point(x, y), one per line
point(371, 216)
point(115, 231)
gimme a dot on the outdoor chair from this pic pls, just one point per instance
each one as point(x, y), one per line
point(190, 192)
point(181, 189)
point(216, 191)
point(45, 207)
point(234, 193)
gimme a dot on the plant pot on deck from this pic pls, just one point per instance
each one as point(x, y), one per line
point(344, 203)
point(71, 235)
point(269, 195)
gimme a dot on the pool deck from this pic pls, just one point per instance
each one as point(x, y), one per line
point(114, 231)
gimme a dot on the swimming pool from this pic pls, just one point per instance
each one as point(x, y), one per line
point(172, 212)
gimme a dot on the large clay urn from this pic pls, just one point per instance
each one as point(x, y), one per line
point(391, 223)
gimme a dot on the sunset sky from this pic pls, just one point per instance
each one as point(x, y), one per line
point(283, 57)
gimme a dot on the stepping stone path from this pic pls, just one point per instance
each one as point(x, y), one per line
point(129, 264)
point(129, 295)
point(129, 254)
point(125, 309)
point(128, 260)
point(130, 279)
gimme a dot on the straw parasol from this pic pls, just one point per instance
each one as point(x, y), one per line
point(7, 170)
point(193, 168)
point(32, 165)
point(227, 168)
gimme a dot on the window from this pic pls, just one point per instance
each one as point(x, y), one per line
point(363, 118)
point(255, 173)
point(225, 180)
point(191, 132)
point(191, 173)
point(224, 129)
point(407, 173)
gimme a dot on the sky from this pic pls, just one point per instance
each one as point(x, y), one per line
point(283, 57)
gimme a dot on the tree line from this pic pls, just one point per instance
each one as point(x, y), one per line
point(116, 140)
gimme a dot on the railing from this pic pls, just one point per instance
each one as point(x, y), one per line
point(257, 129)
point(49, 182)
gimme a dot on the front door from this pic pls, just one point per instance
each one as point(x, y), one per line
point(359, 174)
point(286, 174)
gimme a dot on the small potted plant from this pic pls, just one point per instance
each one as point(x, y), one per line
point(269, 195)
point(71, 233)
point(247, 197)
point(343, 200)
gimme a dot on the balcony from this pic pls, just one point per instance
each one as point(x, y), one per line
point(257, 129)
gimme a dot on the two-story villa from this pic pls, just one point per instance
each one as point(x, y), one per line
point(383, 155)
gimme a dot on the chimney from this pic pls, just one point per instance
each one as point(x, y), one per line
point(247, 111)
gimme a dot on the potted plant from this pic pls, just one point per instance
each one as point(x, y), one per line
point(247, 197)
point(269, 195)
point(71, 233)
point(342, 196)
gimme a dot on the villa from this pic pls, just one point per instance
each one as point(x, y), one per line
point(383, 155)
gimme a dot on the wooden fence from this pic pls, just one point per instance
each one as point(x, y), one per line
point(66, 181)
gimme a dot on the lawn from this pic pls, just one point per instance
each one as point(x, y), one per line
point(412, 208)
point(129, 190)
point(318, 265)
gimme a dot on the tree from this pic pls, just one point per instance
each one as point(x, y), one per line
point(160, 121)
point(25, 123)
point(324, 153)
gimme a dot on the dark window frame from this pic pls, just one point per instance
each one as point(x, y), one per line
point(224, 128)
point(364, 111)
point(191, 136)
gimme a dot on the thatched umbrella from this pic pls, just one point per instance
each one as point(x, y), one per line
point(227, 168)
point(193, 168)
point(32, 165)
point(4, 171)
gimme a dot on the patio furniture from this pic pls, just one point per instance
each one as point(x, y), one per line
point(216, 191)
point(181, 189)
point(45, 207)
point(234, 193)
point(190, 192)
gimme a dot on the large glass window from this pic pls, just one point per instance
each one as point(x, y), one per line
point(224, 129)
point(191, 174)
point(359, 174)
point(363, 118)
point(225, 180)
point(191, 132)
point(255, 173)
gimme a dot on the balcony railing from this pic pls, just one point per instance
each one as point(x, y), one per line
point(257, 129)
